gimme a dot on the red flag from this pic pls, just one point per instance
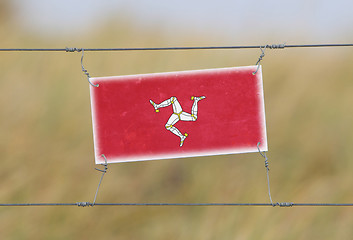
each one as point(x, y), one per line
point(178, 114)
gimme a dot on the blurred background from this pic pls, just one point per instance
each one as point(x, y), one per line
point(46, 142)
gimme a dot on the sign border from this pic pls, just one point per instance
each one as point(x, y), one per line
point(228, 151)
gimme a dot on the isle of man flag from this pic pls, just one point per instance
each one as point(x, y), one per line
point(178, 114)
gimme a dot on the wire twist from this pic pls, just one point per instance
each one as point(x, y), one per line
point(284, 204)
point(260, 59)
point(67, 49)
point(263, 154)
point(105, 164)
point(83, 69)
point(84, 204)
point(263, 48)
point(276, 46)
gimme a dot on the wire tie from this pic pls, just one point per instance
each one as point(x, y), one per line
point(263, 154)
point(105, 164)
point(260, 58)
point(273, 46)
point(84, 204)
point(285, 204)
point(67, 49)
point(85, 71)
point(276, 46)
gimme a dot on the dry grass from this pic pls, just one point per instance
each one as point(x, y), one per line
point(47, 150)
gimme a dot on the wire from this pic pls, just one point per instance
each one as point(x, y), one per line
point(36, 204)
point(273, 46)
point(87, 204)
point(284, 204)
point(103, 172)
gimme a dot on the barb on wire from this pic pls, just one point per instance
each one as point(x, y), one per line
point(83, 69)
point(105, 164)
point(263, 154)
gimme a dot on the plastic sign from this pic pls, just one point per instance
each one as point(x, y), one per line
point(178, 114)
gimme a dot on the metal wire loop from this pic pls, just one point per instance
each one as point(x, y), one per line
point(105, 164)
point(260, 59)
point(263, 154)
point(85, 71)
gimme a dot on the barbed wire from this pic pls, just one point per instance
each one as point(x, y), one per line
point(272, 46)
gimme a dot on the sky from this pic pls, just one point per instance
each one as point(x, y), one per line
point(317, 21)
